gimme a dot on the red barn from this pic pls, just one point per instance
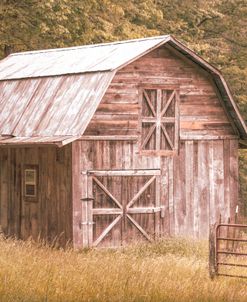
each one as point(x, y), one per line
point(103, 145)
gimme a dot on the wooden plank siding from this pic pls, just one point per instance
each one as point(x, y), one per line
point(202, 176)
point(197, 185)
point(201, 111)
point(50, 216)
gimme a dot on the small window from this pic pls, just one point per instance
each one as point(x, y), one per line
point(30, 182)
point(159, 120)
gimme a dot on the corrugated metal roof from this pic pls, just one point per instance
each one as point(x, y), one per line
point(50, 96)
point(89, 58)
point(51, 106)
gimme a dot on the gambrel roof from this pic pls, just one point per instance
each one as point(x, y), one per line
point(50, 96)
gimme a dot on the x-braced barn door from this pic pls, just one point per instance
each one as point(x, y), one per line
point(125, 207)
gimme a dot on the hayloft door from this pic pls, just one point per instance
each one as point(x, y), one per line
point(125, 207)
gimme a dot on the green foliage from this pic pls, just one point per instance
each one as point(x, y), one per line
point(215, 29)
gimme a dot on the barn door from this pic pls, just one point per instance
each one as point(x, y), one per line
point(125, 207)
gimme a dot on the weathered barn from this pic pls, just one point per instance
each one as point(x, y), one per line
point(102, 145)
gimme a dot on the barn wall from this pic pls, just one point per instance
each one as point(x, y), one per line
point(201, 112)
point(51, 215)
point(201, 181)
point(197, 185)
point(101, 155)
point(205, 185)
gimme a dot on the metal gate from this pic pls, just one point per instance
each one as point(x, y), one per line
point(228, 250)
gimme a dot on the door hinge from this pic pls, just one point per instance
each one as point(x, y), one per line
point(86, 223)
point(85, 199)
point(162, 212)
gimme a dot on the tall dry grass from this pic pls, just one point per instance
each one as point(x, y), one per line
point(170, 270)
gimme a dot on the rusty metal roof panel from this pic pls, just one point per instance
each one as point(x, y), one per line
point(88, 58)
point(53, 106)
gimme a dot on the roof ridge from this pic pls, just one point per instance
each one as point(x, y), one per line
point(88, 46)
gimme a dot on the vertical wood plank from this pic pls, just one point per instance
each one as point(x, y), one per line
point(140, 110)
point(180, 192)
point(189, 188)
point(216, 180)
point(219, 179)
point(234, 184)
point(226, 159)
point(164, 199)
point(78, 190)
point(203, 187)
point(177, 121)
point(195, 187)
point(84, 216)
point(171, 167)
point(4, 197)
point(157, 204)
point(158, 124)
point(90, 210)
point(212, 207)
point(83, 163)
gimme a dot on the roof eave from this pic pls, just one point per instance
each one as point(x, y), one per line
point(58, 141)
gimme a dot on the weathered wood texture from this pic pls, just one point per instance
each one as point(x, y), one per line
point(104, 155)
point(50, 216)
point(128, 203)
point(201, 112)
point(159, 121)
point(205, 185)
point(196, 186)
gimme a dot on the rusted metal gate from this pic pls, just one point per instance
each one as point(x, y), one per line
point(228, 250)
point(124, 207)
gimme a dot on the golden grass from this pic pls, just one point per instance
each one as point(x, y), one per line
point(170, 270)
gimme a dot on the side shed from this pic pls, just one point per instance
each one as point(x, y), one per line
point(108, 144)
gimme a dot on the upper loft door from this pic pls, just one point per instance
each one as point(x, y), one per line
point(124, 207)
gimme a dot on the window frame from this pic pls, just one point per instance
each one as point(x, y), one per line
point(159, 87)
point(35, 183)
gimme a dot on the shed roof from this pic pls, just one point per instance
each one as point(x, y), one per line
point(51, 106)
point(50, 94)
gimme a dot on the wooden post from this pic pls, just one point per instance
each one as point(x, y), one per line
point(212, 252)
point(236, 215)
point(157, 204)
point(234, 229)
point(90, 210)
point(86, 222)
point(228, 234)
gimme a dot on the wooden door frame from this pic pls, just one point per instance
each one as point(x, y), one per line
point(158, 119)
point(88, 211)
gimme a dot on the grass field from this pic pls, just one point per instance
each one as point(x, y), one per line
point(170, 270)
